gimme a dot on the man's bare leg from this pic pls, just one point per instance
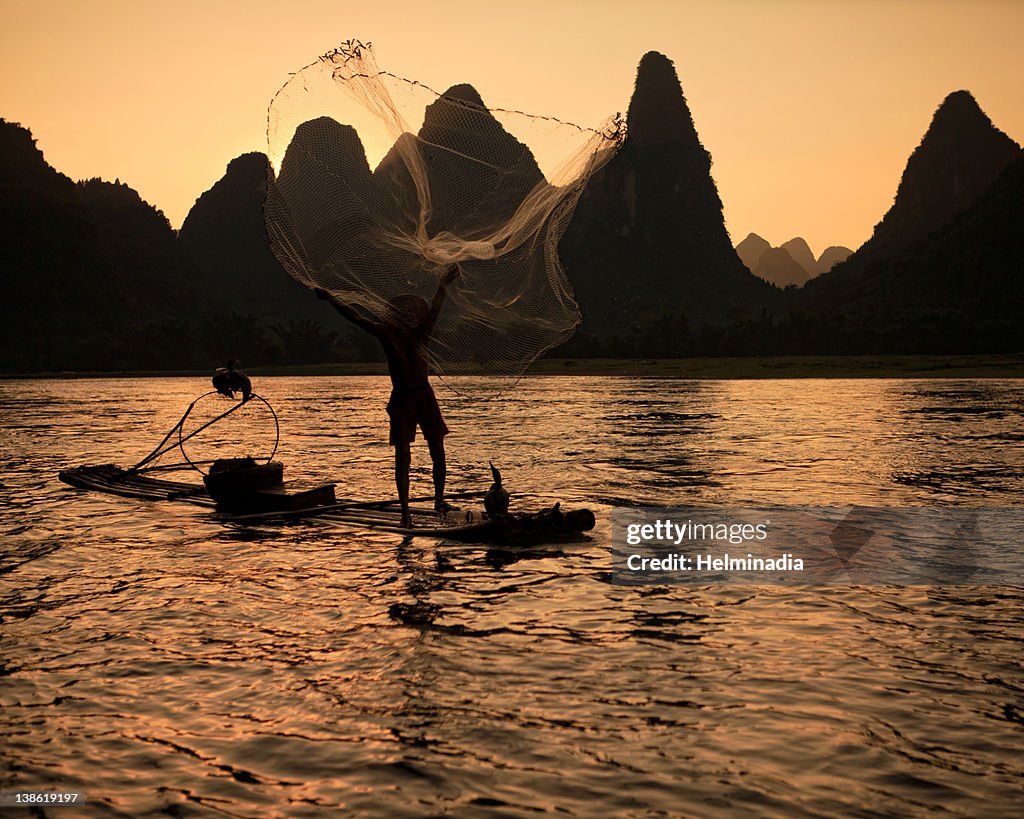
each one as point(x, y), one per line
point(403, 457)
point(437, 457)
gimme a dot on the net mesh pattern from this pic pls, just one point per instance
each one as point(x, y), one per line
point(378, 184)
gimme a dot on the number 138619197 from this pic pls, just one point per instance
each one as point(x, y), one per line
point(14, 799)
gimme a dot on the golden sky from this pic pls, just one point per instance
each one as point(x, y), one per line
point(809, 108)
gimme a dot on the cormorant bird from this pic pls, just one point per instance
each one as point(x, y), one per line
point(496, 499)
point(228, 381)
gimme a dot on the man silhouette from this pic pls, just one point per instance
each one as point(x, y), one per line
point(404, 334)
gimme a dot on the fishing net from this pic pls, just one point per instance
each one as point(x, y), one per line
point(379, 184)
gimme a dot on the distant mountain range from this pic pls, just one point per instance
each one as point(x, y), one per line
point(95, 278)
point(941, 274)
point(790, 264)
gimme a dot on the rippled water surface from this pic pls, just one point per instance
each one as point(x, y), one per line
point(166, 663)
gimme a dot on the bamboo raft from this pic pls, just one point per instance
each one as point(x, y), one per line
point(545, 525)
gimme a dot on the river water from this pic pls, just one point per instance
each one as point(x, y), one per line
point(165, 663)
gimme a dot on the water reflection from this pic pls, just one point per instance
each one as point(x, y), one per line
point(169, 663)
point(939, 423)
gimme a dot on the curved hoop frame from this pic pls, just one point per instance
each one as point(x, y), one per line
point(181, 426)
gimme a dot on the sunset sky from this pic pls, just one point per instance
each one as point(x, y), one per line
point(809, 109)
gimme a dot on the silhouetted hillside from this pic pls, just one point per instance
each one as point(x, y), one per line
point(778, 270)
point(750, 250)
point(322, 193)
point(480, 174)
point(961, 154)
point(776, 266)
point(943, 269)
point(477, 173)
point(958, 290)
point(56, 283)
point(95, 279)
point(830, 257)
point(224, 237)
point(268, 315)
point(92, 276)
point(139, 246)
point(800, 252)
point(462, 172)
point(648, 242)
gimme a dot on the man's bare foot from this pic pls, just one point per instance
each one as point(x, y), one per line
point(406, 521)
point(442, 507)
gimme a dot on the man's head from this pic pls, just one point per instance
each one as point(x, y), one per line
point(407, 312)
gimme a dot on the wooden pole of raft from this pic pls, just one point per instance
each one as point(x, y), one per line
point(469, 493)
point(377, 525)
point(116, 488)
point(343, 505)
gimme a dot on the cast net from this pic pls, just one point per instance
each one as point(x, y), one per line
point(379, 184)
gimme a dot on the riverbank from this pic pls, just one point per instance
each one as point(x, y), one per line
point(881, 366)
point(890, 366)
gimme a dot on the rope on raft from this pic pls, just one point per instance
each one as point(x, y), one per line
point(162, 448)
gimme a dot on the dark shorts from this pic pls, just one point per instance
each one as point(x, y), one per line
point(410, 407)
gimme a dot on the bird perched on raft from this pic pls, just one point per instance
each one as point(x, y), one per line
point(228, 380)
point(496, 499)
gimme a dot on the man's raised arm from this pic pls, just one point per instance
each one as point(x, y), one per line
point(348, 311)
point(449, 276)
